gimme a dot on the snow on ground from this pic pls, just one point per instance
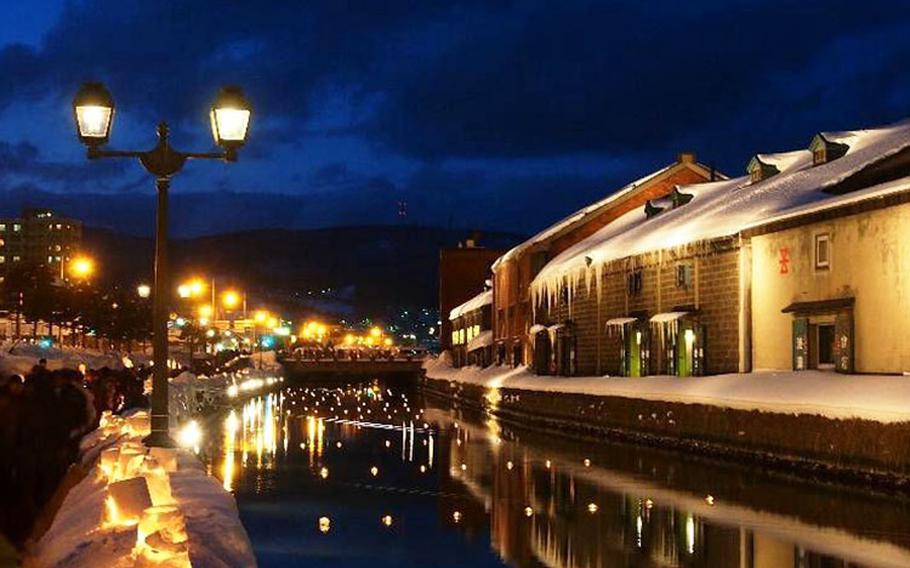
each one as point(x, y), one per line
point(882, 398)
point(19, 358)
point(139, 507)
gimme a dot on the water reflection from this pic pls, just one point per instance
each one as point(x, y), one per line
point(365, 476)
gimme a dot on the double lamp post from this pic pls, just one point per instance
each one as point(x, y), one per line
point(93, 108)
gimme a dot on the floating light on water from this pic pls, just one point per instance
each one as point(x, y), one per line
point(388, 444)
point(509, 465)
point(423, 469)
point(456, 516)
point(374, 471)
point(548, 464)
point(464, 467)
point(387, 520)
point(325, 524)
point(709, 500)
point(324, 473)
point(529, 511)
point(649, 504)
point(338, 445)
point(587, 462)
point(592, 507)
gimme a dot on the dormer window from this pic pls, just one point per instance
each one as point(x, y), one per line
point(760, 170)
point(825, 150)
point(818, 155)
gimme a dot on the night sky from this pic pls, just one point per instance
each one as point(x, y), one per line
point(478, 114)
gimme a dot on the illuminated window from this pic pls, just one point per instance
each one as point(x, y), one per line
point(17, 227)
point(16, 259)
point(2, 226)
point(822, 251)
point(2, 259)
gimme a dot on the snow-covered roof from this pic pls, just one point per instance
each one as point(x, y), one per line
point(480, 300)
point(786, 160)
point(536, 328)
point(723, 208)
point(483, 339)
point(619, 322)
point(586, 211)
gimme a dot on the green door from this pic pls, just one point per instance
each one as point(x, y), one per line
point(800, 344)
point(634, 341)
point(685, 349)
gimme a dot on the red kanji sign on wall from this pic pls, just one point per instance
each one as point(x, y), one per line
point(784, 260)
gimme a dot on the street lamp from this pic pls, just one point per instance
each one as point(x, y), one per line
point(93, 109)
point(82, 267)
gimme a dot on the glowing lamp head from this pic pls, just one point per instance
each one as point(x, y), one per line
point(230, 116)
point(261, 316)
point(93, 108)
point(144, 290)
point(230, 299)
point(184, 291)
point(82, 267)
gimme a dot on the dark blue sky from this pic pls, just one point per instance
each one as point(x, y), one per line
point(479, 114)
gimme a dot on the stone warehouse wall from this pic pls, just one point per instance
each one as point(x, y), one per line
point(714, 295)
point(859, 451)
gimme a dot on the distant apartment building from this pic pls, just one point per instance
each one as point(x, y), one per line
point(463, 272)
point(38, 238)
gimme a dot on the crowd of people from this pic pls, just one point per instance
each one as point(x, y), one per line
point(43, 415)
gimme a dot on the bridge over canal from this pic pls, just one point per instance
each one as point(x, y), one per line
point(331, 370)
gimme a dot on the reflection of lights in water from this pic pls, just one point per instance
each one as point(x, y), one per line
point(325, 524)
point(388, 444)
point(338, 445)
point(464, 467)
point(529, 511)
point(587, 462)
point(430, 451)
point(387, 520)
point(638, 527)
point(423, 469)
point(456, 516)
point(592, 507)
point(509, 465)
point(548, 464)
point(324, 473)
point(690, 534)
point(374, 471)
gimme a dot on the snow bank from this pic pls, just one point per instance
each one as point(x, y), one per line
point(871, 397)
point(192, 521)
point(24, 356)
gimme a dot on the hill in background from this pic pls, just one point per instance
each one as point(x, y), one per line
point(352, 271)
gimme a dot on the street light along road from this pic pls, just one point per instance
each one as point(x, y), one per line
point(93, 110)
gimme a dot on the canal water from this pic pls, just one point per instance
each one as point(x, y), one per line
point(368, 475)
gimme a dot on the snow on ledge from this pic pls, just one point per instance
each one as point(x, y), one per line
point(93, 526)
point(881, 398)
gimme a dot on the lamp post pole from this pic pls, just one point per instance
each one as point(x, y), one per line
point(94, 110)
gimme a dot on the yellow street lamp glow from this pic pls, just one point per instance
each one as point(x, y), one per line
point(82, 267)
point(184, 291)
point(349, 339)
point(197, 286)
point(375, 332)
point(388, 341)
point(261, 316)
point(273, 322)
point(205, 311)
point(230, 299)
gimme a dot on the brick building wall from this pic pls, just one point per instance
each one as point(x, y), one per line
point(713, 297)
point(511, 301)
point(462, 273)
